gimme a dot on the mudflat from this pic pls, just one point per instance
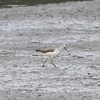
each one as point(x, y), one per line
point(26, 28)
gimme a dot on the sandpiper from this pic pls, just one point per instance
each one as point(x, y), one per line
point(51, 53)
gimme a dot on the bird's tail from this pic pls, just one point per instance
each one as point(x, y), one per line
point(37, 50)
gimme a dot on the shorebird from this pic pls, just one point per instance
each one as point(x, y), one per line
point(52, 53)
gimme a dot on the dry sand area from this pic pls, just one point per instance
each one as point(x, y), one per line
point(26, 28)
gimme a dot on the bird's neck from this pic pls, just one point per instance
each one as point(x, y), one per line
point(61, 48)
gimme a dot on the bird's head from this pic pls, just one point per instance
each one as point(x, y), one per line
point(63, 46)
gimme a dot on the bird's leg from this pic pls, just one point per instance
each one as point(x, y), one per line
point(52, 62)
point(44, 62)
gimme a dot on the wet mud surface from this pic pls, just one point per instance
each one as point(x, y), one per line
point(24, 29)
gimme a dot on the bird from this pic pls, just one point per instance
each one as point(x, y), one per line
point(51, 53)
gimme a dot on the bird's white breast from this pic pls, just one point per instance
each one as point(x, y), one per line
point(53, 54)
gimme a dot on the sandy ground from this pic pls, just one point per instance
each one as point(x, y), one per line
point(26, 28)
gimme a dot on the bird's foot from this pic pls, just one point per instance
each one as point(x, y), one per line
point(43, 66)
point(55, 67)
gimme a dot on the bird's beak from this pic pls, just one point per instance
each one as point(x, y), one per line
point(65, 48)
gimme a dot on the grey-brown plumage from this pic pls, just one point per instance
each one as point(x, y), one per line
point(45, 51)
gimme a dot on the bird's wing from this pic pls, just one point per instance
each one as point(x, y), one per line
point(45, 51)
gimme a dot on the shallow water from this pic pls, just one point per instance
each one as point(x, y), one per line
point(33, 2)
